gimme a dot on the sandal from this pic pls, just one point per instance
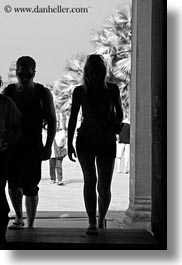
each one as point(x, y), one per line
point(92, 230)
point(16, 226)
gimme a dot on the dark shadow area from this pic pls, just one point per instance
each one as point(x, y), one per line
point(76, 238)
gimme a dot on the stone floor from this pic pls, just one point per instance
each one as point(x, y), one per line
point(67, 200)
point(61, 219)
point(76, 238)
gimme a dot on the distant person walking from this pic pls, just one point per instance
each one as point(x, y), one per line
point(96, 140)
point(57, 156)
point(10, 131)
point(35, 104)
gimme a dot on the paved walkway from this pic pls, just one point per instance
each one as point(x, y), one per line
point(69, 197)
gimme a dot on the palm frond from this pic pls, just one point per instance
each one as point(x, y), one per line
point(122, 66)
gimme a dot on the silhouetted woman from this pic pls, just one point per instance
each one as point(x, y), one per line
point(96, 140)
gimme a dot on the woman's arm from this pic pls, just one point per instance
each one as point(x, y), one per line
point(76, 103)
point(117, 104)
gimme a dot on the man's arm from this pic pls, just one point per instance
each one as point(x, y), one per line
point(72, 121)
point(50, 117)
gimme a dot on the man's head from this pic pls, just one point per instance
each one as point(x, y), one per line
point(25, 69)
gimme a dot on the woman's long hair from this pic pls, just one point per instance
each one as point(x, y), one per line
point(95, 86)
point(94, 77)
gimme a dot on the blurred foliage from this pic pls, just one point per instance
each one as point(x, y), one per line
point(113, 41)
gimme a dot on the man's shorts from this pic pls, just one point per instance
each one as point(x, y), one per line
point(25, 171)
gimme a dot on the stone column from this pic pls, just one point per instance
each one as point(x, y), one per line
point(138, 215)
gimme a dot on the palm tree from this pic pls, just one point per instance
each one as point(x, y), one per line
point(113, 41)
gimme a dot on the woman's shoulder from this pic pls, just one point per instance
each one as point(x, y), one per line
point(78, 91)
point(112, 85)
point(113, 88)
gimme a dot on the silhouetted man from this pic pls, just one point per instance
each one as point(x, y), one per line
point(35, 103)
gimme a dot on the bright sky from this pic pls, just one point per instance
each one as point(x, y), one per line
point(50, 38)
